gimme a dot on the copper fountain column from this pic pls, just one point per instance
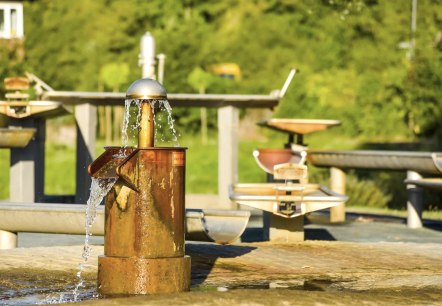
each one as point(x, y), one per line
point(144, 214)
point(147, 129)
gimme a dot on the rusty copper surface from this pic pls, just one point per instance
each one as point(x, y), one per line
point(299, 126)
point(148, 223)
point(146, 130)
point(144, 223)
point(105, 165)
point(16, 83)
point(137, 275)
point(144, 213)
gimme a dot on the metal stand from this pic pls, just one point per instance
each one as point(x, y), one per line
point(285, 230)
point(27, 164)
point(414, 202)
point(228, 123)
point(8, 240)
point(338, 179)
point(86, 119)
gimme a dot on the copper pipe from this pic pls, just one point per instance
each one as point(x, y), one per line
point(146, 133)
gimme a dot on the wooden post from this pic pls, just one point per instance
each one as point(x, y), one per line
point(338, 178)
point(86, 119)
point(284, 230)
point(414, 202)
point(27, 165)
point(228, 126)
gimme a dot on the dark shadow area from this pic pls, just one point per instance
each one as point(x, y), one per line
point(204, 256)
point(323, 217)
point(318, 234)
point(66, 199)
point(253, 234)
point(435, 225)
point(420, 146)
point(427, 223)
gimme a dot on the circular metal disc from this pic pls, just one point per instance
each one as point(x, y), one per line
point(146, 89)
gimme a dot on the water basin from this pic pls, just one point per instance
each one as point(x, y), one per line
point(299, 126)
point(15, 137)
point(268, 158)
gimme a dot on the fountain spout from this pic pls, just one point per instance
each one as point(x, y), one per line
point(144, 214)
point(146, 90)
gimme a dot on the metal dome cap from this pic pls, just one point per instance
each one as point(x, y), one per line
point(146, 89)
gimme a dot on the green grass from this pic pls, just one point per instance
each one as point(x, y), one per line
point(4, 174)
point(59, 169)
point(201, 165)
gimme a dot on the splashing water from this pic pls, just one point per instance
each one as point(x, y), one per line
point(162, 111)
point(99, 189)
point(164, 105)
point(124, 136)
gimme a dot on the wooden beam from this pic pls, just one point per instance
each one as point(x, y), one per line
point(175, 100)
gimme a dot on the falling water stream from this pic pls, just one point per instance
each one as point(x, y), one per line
point(99, 189)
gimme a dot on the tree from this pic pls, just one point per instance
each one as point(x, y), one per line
point(200, 80)
point(113, 76)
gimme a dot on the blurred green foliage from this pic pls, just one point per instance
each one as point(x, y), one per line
point(352, 67)
point(348, 52)
point(365, 192)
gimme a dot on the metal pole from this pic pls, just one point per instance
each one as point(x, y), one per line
point(146, 130)
point(147, 56)
point(414, 202)
point(86, 120)
point(27, 165)
point(8, 240)
point(228, 122)
point(161, 60)
point(338, 179)
point(413, 28)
